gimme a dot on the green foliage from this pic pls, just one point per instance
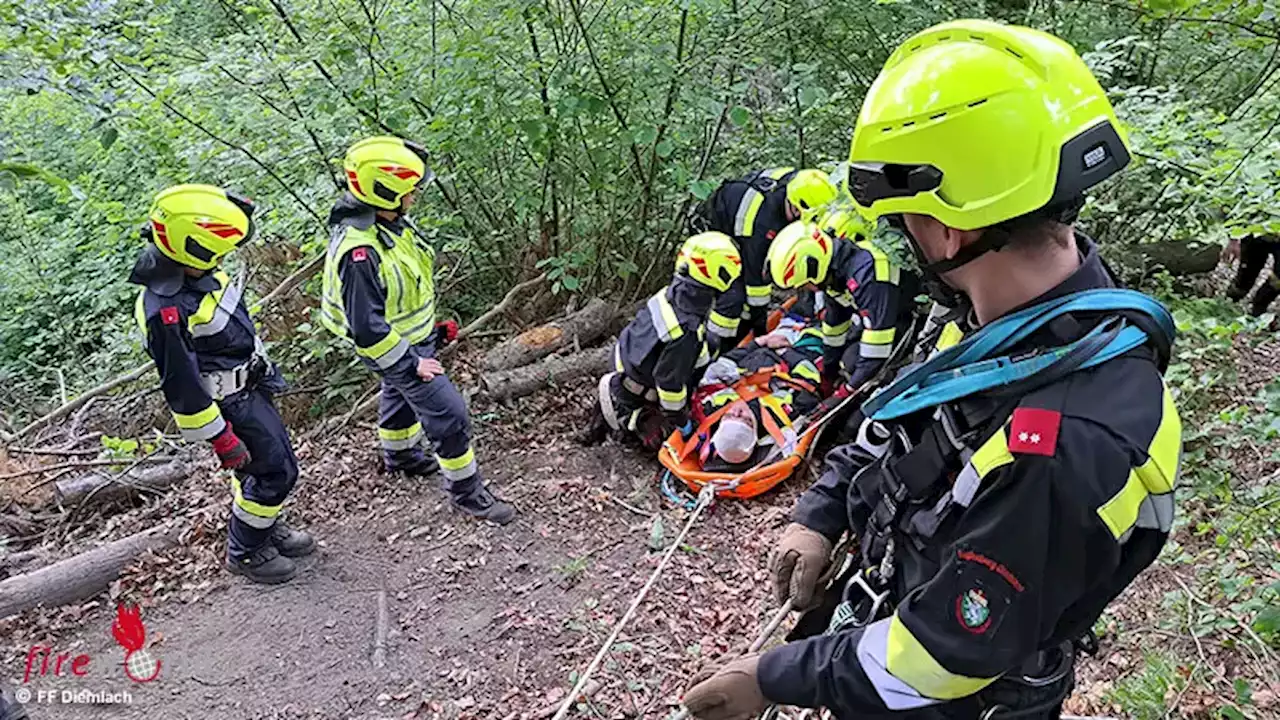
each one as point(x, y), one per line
point(1142, 695)
point(568, 136)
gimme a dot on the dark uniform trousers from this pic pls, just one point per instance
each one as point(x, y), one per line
point(410, 409)
point(271, 473)
point(1253, 257)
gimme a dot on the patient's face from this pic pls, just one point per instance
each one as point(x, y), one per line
point(740, 411)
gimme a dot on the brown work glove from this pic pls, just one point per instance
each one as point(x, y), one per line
point(797, 562)
point(728, 692)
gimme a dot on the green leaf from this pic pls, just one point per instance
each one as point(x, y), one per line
point(702, 189)
point(665, 149)
point(571, 283)
point(646, 135)
point(1267, 624)
point(739, 116)
point(109, 138)
point(1230, 713)
point(808, 95)
point(657, 536)
point(1244, 693)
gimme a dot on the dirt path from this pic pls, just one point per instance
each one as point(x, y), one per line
point(486, 622)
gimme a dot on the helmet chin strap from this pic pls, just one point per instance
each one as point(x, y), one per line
point(938, 289)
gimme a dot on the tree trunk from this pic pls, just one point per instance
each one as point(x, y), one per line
point(83, 576)
point(582, 328)
point(103, 487)
point(555, 369)
point(1177, 257)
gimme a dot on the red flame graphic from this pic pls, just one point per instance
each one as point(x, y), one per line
point(128, 629)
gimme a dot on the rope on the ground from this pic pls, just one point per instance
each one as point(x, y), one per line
point(705, 498)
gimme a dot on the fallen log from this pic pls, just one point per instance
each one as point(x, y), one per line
point(529, 379)
point(83, 576)
point(580, 329)
point(1179, 257)
point(108, 487)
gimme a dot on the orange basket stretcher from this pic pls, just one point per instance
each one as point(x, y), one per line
point(680, 459)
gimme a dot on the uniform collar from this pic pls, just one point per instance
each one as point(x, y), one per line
point(353, 213)
point(156, 272)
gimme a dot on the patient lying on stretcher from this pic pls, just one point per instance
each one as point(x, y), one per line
point(749, 398)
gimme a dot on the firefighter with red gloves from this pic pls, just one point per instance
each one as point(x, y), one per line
point(1010, 487)
point(214, 370)
point(379, 294)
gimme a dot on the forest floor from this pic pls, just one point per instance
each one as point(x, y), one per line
point(489, 622)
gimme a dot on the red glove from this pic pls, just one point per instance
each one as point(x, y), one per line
point(446, 332)
point(233, 454)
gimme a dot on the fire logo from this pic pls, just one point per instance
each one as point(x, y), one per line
point(128, 630)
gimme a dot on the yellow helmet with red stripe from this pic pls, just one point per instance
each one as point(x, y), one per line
point(800, 255)
point(196, 225)
point(711, 258)
point(382, 170)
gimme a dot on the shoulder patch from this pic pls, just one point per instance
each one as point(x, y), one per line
point(169, 315)
point(359, 254)
point(771, 235)
point(1034, 431)
point(852, 284)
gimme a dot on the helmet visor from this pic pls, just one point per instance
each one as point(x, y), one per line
point(872, 181)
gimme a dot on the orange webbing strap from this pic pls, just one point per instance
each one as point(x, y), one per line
point(751, 387)
point(770, 413)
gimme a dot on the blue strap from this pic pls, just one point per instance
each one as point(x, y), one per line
point(978, 363)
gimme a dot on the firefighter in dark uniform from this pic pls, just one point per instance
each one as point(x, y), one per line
point(1252, 253)
point(660, 354)
point(379, 293)
point(859, 283)
point(753, 210)
point(214, 371)
point(1016, 483)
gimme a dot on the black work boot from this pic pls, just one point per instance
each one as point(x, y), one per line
point(265, 565)
point(424, 467)
point(481, 504)
point(291, 543)
point(1266, 295)
point(597, 428)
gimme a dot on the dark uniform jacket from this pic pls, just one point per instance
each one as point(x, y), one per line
point(192, 325)
point(870, 297)
point(751, 210)
point(1009, 550)
point(665, 343)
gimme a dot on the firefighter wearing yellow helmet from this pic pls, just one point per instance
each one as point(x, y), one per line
point(660, 354)
point(214, 371)
point(752, 210)
point(379, 295)
point(866, 296)
point(1006, 490)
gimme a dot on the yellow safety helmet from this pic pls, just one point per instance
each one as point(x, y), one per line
point(847, 224)
point(382, 170)
point(810, 191)
point(196, 225)
point(974, 123)
point(799, 255)
point(711, 258)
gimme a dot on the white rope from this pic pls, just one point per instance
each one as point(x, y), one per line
point(705, 499)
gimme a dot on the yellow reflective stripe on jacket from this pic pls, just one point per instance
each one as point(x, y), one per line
point(1146, 500)
point(459, 468)
point(950, 336)
point(387, 351)
point(758, 295)
point(722, 325)
point(886, 269)
point(904, 673)
point(672, 399)
point(216, 307)
point(249, 512)
point(664, 318)
point(992, 454)
point(807, 371)
point(836, 335)
point(744, 221)
point(879, 337)
point(204, 425)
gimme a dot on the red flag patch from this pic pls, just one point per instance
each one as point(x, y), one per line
point(169, 315)
point(1034, 431)
point(852, 284)
point(359, 255)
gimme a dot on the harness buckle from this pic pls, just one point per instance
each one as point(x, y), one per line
point(871, 600)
